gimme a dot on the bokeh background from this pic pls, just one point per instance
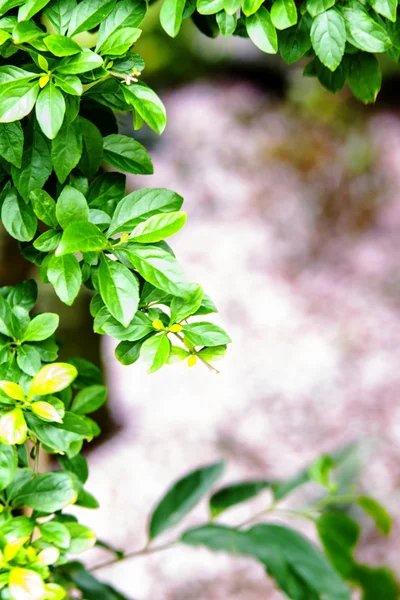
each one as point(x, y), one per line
point(293, 206)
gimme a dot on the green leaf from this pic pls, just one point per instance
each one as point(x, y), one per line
point(119, 42)
point(386, 8)
point(147, 104)
point(127, 13)
point(171, 16)
point(17, 101)
point(30, 8)
point(128, 352)
point(377, 512)
point(119, 289)
point(181, 308)
point(56, 534)
point(328, 37)
point(36, 163)
point(24, 583)
point(26, 31)
point(44, 207)
point(127, 154)
point(41, 327)
point(88, 14)
point(59, 45)
point(92, 148)
point(47, 241)
point(232, 6)
point(91, 588)
point(58, 12)
point(11, 143)
point(18, 218)
point(8, 465)
point(50, 110)
point(182, 497)
point(300, 570)
point(89, 399)
point(71, 207)
point(209, 7)
point(234, 494)
point(106, 191)
point(77, 465)
point(82, 237)
point(51, 379)
point(48, 492)
point(65, 275)
point(262, 32)
point(66, 149)
point(140, 205)
point(332, 80)
point(366, 33)
point(28, 359)
point(284, 14)
point(203, 333)
point(376, 583)
point(155, 350)
point(138, 328)
point(53, 437)
point(82, 538)
point(70, 84)
point(250, 7)
point(364, 76)
point(296, 41)
point(227, 23)
point(159, 268)
point(158, 227)
point(79, 63)
point(339, 535)
point(316, 7)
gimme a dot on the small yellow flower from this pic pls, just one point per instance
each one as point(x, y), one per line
point(192, 360)
point(158, 324)
point(175, 328)
point(44, 80)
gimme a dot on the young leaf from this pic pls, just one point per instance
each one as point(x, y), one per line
point(50, 110)
point(46, 411)
point(377, 512)
point(171, 15)
point(127, 154)
point(51, 379)
point(140, 205)
point(119, 289)
point(205, 334)
point(158, 227)
point(13, 428)
point(71, 207)
point(13, 390)
point(82, 237)
point(262, 32)
point(65, 275)
point(155, 350)
point(328, 37)
point(41, 327)
point(48, 492)
point(11, 143)
point(182, 497)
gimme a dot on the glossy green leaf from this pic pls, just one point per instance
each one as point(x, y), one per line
point(89, 399)
point(119, 42)
point(92, 149)
point(56, 534)
point(182, 497)
point(127, 154)
point(36, 163)
point(65, 275)
point(29, 359)
point(71, 207)
point(58, 12)
point(88, 14)
point(364, 76)
point(365, 32)
point(262, 32)
point(141, 205)
point(227, 23)
point(59, 45)
point(284, 14)
point(66, 149)
point(127, 13)
point(158, 227)
point(234, 494)
point(147, 104)
point(316, 7)
point(48, 492)
point(41, 327)
point(18, 218)
point(79, 63)
point(328, 37)
point(82, 538)
point(44, 207)
point(8, 465)
point(81, 237)
point(119, 288)
point(295, 41)
point(171, 16)
point(181, 308)
point(203, 333)
point(17, 101)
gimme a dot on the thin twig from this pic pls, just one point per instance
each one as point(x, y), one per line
point(144, 551)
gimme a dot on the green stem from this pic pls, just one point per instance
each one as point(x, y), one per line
point(142, 552)
point(203, 360)
point(36, 458)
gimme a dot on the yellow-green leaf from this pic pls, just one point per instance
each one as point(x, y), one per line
point(52, 378)
point(25, 584)
point(13, 390)
point(13, 428)
point(46, 411)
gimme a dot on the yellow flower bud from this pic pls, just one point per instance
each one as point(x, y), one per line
point(175, 328)
point(44, 80)
point(158, 324)
point(192, 360)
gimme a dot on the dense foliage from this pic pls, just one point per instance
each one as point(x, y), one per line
point(66, 68)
